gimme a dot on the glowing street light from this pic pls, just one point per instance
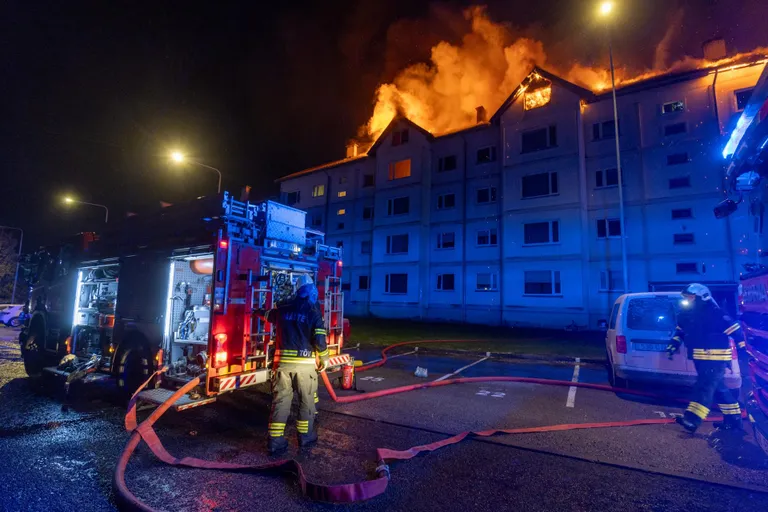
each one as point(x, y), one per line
point(606, 8)
point(179, 158)
point(71, 200)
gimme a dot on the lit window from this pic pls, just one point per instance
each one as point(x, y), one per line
point(341, 211)
point(342, 193)
point(537, 98)
point(486, 282)
point(318, 191)
point(672, 107)
point(399, 170)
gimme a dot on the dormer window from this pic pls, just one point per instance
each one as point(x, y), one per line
point(400, 137)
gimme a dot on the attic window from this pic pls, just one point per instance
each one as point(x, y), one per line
point(399, 137)
point(537, 98)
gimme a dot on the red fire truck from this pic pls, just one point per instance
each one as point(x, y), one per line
point(177, 288)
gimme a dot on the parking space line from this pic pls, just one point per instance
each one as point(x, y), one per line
point(572, 390)
point(392, 357)
point(460, 370)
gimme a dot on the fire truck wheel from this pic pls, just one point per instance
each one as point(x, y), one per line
point(132, 370)
point(32, 353)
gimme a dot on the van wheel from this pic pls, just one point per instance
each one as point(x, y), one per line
point(133, 369)
point(32, 353)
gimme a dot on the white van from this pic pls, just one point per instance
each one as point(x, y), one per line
point(639, 331)
point(10, 314)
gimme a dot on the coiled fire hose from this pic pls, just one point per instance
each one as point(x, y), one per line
point(341, 493)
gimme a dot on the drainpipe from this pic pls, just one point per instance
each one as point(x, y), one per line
point(644, 207)
point(586, 267)
point(464, 236)
point(500, 199)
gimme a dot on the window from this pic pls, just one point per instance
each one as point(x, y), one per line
point(342, 180)
point(487, 237)
point(682, 182)
point(742, 98)
point(318, 191)
point(610, 280)
point(446, 282)
point(682, 213)
point(368, 180)
point(538, 185)
point(673, 106)
point(486, 155)
point(542, 282)
point(687, 268)
point(341, 193)
point(608, 228)
point(340, 244)
point(398, 206)
point(486, 195)
point(536, 140)
point(652, 314)
point(684, 238)
point(541, 233)
point(365, 247)
point(486, 282)
point(446, 240)
point(340, 225)
point(677, 159)
point(605, 130)
point(675, 129)
point(396, 283)
point(367, 212)
point(446, 163)
point(400, 137)
point(345, 287)
point(397, 244)
point(399, 170)
point(316, 220)
point(292, 198)
point(341, 211)
point(606, 178)
point(446, 201)
point(363, 282)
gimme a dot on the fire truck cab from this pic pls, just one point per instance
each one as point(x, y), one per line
point(178, 289)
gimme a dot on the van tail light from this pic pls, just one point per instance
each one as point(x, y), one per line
point(621, 344)
point(220, 356)
point(734, 352)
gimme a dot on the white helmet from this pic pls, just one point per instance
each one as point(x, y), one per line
point(699, 290)
point(303, 280)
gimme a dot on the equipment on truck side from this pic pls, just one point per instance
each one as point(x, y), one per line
point(176, 289)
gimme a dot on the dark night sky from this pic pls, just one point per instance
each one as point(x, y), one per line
point(94, 93)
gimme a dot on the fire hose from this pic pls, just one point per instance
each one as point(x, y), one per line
point(351, 492)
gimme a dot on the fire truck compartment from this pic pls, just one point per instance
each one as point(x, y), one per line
point(94, 312)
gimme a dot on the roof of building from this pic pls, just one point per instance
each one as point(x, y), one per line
point(323, 167)
point(391, 126)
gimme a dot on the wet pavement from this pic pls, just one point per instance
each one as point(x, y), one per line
point(55, 459)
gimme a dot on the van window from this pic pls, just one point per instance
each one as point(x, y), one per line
point(652, 314)
point(614, 314)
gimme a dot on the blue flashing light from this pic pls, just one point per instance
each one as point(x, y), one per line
point(738, 133)
point(765, 142)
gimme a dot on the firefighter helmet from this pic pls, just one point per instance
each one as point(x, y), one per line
point(699, 290)
point(305, 288)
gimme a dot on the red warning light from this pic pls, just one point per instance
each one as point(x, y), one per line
point(223, 244)
point(339, 263)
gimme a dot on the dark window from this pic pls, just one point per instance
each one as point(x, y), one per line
point(605, 130)
point(365, 247)
point(486, 282)
point(363, 282)
point(342, 180)
point(674, 129)
point(536, 140)
point(542, 282)
point(682, 213)
point(608, 228)
point(340, 225)
point(292, 198)
point(340, 244)
point(345, 287)
point(446, 240)
point(683, 182)
point(684, 238)
point(367, 212)
point(742, 98)
point(446, 282)
point(609, 280)
point(486, 195)
point(396, 283)
point(672, 106)
point(541, 232)
point(446, 201)
point(447, 163)
point(687, 268)
point(398, 206)
point(536, 185)
point(487, 237)
point(677, 159)
point(317, 220)
point(606, 178)
point(368, 180)
point(400, 137)
point(397, 244)
point(486, 155)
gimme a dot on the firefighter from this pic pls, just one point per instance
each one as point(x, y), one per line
point(705, 329)
point(300, 341)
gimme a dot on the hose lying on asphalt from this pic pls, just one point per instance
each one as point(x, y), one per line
point(339, 493)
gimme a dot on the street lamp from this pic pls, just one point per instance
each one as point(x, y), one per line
point(605, 10)
point(70, 200)
point(180, 158)
point(18, 259)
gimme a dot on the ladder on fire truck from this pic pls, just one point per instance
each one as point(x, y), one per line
point(334, 313)
point(261, 298)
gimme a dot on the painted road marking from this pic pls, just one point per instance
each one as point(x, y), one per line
point(460, 370)
point(492, 394)
point(572, 390)
point(373, 379)
point(396, 355)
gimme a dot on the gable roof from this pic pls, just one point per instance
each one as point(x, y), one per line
point(323, 167)
point(399, 118)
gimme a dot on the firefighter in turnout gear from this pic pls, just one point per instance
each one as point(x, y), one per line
point(705, 330)
point(300, 341)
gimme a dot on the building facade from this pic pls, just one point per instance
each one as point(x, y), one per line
point(515, 221)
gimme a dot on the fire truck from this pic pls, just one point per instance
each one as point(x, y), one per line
point(177, 288)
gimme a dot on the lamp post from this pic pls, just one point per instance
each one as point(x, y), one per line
point(605, 10)
point(180, 158)
point(70, 200)
point(18, 259)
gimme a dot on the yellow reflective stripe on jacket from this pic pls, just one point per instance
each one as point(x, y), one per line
point(296, 360)
point(324, 353)
point(319, 332)
point(735, 327)
point(729, 408)
point(286, 352)
point(698, 409)
point(715, 354)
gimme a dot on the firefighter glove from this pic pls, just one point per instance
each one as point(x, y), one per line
point(673, 347)
point(323, 366)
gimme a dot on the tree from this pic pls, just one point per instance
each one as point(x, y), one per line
point(9, 246)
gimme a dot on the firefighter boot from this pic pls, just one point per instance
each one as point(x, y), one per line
point(308, 438)
point(730, 424)
point(686, 424)
point(277, 445)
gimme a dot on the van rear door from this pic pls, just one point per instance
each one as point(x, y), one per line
point(649, 324)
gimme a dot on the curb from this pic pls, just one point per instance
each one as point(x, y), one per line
point(504, 355)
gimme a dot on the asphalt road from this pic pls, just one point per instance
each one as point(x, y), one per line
point(54, 459)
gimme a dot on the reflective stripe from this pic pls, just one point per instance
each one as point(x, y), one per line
point(317, 399)
point(286, 352)
point(324, 353)
point(677, 339)
point(276, 429)
point(302, 426)
point(735, 327)
point(711, 358)
point(698, 409)
point(296, 360)
point(742, 344)
point(715, 354)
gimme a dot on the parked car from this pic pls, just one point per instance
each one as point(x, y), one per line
point(10, 314)
point(639, 329)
